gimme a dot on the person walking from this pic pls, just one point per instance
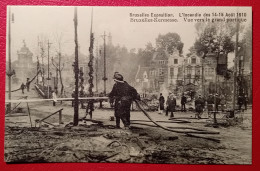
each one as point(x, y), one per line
point(183, 103)
point(161, 103)
point(22, 87)
point(210, 103)
point(217, 101)
point(28, 82)
point(240, 102)
point(199, 105)
point(171, 104)
point(123, 94)
point(245, 101)
point(54, 97)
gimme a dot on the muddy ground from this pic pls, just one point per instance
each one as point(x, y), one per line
point(144, 143)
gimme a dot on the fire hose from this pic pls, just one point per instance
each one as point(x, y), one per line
point(168, 129)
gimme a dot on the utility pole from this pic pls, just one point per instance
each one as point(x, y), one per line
point(235, 68)
point(216, 87)
point(91, 70)
point(38, 65)
point(202, 76)
point(10, 72)
point(42, 56)
point(76, 71)
point(183, 84)
point(97, 70)
point(48, 82)
point(105, 77)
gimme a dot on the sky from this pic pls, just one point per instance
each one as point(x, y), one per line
point(49, 23)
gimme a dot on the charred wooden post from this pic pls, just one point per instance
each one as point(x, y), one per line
point(76, 71)
point(81, 86)
point(91, 70)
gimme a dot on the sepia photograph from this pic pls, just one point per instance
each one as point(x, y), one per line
point(161, 85)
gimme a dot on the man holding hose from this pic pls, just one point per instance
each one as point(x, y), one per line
point(123, 94)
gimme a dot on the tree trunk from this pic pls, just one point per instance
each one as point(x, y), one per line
point(61, 83)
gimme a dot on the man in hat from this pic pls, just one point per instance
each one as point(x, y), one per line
point(199, 105)
point(240, 102)
point(183, 103)
point(245, 101)
point(23, 87)
point(161, 103)
point(123, 94)
point(171, 104)
point(217, 101)
point(210, 102)
point(54, 97)
point(28, 82)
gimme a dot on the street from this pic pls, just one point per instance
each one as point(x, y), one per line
point(144, 143)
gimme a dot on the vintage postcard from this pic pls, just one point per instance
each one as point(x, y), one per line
point(128, 85)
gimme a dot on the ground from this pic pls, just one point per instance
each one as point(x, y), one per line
point(144, 143)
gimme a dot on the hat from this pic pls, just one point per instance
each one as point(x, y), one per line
point(115, 74)
point(118, 78)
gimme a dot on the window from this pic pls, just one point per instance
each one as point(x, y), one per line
point(161, 72)
point(193, 60)
point(197, 70)
point(161, 62)
point(175, 61)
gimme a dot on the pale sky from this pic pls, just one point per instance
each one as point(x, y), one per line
point(31, 22)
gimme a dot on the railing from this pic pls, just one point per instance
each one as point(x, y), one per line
point(43, 120)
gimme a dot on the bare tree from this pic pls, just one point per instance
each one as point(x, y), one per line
point(58, 64)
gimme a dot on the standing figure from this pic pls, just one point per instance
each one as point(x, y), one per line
point(161, 103)
point(28, 82)
point(183, 102)
point(124, 94)
point(171, 104)
point(100, 101)
point(210, 103)
point(217, 101)
point(245, 101)
point(222, 102)
point(240, 102)
point(54, 97)
point(22, 87)
point(199, 105)
point(82, 94)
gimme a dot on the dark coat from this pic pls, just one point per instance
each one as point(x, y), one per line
point(23, 86)
point(124, 94)
point(218, 100)
point(171, 102)
point(183, 100)
point(199, 105)
point(161, 101)
point(210, 100)
point(240, 100)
